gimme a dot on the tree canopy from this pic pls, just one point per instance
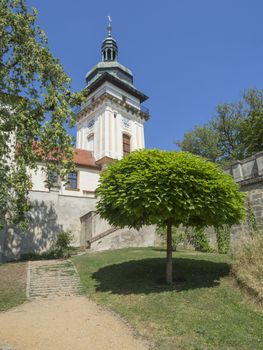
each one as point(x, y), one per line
point(236, 132)
point(168, 189)
point(35, 105)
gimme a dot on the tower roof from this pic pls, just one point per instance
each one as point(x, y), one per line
point(109, 62)
point(109, 47)
point(109, 69)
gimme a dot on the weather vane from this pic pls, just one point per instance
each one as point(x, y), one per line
point(109, 25)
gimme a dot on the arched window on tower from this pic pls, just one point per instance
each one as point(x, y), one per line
point(109, 54)
point(90, 146)
point(126, 144)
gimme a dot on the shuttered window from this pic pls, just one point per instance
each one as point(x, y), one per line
point(126, 142)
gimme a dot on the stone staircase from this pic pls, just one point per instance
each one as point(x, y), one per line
point(52, 278)
point(101, 235)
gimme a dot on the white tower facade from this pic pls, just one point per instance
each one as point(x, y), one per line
point(111, 121)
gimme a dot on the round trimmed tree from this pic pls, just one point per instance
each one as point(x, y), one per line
point(153, 187)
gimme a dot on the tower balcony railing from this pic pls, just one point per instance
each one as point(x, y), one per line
point(145, 110)
point(79, 108)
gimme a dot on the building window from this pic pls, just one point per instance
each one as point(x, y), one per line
point(72, 181)
point(91, 143)
point(126, 142)
point(52, 179)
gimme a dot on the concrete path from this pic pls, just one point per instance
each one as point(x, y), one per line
point(57, 318)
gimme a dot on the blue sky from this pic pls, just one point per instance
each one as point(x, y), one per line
point(186, 55)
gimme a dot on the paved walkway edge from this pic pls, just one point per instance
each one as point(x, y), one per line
point(28, 280)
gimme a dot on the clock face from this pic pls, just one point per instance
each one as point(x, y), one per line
point(126, 123)
point(91, 123)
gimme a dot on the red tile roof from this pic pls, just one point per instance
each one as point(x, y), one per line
point(81, 157)
point(84, 158)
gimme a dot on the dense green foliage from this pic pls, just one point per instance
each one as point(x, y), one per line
point(204, 310)
point(168, 189)
point(236, 132)
point(35, 104)
point(153, 187)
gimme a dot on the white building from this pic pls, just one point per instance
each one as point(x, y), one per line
point(110, 124)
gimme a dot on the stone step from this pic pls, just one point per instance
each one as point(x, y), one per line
point(52, 278)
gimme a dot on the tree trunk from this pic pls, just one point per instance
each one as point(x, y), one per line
point(169, 255)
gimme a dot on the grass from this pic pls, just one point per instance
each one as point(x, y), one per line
point(248, 266)
point(12, 285)
point(202, 310)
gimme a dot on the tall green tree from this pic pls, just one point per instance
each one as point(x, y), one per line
point(168, 189)
point(226, 125)
point(202, 141)
point(35, 104)
point(252, 126)
point(236, 131)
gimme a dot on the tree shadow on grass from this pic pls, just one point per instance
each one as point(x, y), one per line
point(148, 276)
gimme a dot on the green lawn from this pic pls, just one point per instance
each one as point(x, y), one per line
point(203, 310)
point(12, 285)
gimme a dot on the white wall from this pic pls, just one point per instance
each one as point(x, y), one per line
point(38, 177)
point(87, 182)
point(107, 123)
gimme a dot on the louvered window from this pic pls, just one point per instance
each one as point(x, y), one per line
point(126, 142)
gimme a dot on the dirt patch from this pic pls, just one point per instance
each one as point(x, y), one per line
point(12, 284)
point(13, 275)
point(65, 323)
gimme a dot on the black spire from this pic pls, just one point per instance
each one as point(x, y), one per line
point(109, 48)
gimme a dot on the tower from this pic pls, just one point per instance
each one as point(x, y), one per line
point(111, 120)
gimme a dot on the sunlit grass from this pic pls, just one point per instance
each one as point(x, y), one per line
point(202, 310)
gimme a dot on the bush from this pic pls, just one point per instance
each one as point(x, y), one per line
point(198, 238)
point(223, 239)
point(251, 220)
point(248, 266)
point(62, 248)
point(194, 236)
point(38, 256)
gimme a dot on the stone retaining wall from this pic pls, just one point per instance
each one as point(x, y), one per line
point(248, 173)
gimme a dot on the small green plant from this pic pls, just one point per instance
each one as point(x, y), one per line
point(223, 239)
point(198, 238)
point(62, 248)
point(178, 235)
point(194, 236)
point(251, 220)
point(38, 256)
